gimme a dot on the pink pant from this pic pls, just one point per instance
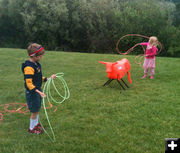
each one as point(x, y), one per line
point(146, 71)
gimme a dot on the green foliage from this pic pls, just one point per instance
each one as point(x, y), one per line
point(170, 37)
point(11, 24)
point(177, 15)
point(174, 51)
point(44, 20)
point(91, 25)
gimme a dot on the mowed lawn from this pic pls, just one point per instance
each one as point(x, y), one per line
point(94, 119)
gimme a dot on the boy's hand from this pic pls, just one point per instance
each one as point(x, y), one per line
point(41, 93)
point(53, 76)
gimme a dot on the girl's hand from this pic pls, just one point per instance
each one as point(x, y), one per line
point(53, 76)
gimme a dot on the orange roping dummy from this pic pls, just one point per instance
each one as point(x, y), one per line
point(118, 69)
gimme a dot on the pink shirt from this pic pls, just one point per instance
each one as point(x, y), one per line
point(150, 50)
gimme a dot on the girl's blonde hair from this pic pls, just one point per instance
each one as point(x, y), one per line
point(34, 47)
point(153, 41)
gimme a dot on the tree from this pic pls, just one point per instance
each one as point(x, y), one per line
point(44, 21)
point(88, 25)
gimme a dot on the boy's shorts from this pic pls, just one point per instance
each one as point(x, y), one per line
point(33, 101)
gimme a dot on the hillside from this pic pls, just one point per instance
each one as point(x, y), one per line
point(95, 118)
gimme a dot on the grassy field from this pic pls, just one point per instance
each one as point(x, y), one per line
point(94, 119)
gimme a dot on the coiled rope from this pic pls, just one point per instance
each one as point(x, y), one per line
point(47, 91)
point(138, 58)
point(20, 108)
point(23, 109)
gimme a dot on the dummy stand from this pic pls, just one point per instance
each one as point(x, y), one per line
point(110, 80)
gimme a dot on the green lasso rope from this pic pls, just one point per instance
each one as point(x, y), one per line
point(47, 91)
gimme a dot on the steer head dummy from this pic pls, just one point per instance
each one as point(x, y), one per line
point(118, 69)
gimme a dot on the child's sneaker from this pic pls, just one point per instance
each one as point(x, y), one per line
point(35, 131)
point(38, 126)
point(144, 76)
point(151, 77)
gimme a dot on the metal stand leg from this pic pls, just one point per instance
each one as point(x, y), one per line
point(125, 83)
point(120, 84)
point(108, 82)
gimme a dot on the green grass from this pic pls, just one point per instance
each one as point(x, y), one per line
point(95, 119)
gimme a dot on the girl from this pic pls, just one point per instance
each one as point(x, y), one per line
point(149, 62)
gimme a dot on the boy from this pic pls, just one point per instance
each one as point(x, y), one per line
point(33, 81)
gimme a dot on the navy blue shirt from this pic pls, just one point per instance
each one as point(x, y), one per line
point(37, 78)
